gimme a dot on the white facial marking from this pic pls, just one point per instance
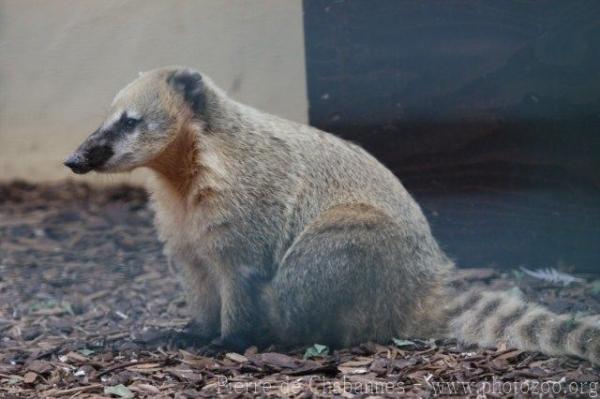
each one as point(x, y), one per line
point(132, 113)
point(123, 147)
point(112, 119)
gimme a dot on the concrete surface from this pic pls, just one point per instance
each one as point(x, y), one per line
point(61, 63)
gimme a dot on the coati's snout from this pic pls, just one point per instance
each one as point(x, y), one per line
point(91, 155)
point(104, 148)
point(76, 162)
point(120, 144)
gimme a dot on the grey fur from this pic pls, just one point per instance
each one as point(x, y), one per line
point(283, 233)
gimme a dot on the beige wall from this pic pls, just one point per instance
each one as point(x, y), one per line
point(62, 61)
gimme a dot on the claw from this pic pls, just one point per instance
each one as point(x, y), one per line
point(213, 349)
point(231, 343)
point(185, 339)
point(172, 339)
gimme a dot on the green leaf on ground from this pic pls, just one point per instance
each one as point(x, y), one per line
point(516, 292)
point(48, 304)
point(403, 342)
point(119, 390)
point(86, 352)
point(518, 274)
point(67, 306)
point(316, 350)
point(14, 379)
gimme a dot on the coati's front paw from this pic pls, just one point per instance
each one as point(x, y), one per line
point(186, 339)
point(192, 336)
point(172, 339)
point(231, 343)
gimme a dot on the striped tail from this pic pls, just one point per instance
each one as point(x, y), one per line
point(484, 318)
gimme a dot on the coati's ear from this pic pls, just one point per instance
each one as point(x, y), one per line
point(189, 84)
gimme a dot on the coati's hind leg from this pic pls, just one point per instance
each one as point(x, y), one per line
point(353, 275)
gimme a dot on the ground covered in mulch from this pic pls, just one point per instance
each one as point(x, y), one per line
point(85, 291)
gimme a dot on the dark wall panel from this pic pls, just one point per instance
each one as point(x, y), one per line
point(488, 111)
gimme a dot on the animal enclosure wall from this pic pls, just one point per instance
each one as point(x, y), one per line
point(489, 112)
point(61, 63)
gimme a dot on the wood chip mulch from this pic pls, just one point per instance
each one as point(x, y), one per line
point(85, 291)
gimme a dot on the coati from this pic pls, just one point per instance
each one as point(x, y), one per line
point(282, 233)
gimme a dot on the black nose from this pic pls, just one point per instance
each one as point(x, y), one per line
point(77, 164)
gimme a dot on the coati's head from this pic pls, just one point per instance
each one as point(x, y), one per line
point(144, 120)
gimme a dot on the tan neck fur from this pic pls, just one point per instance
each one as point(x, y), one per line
point(178, 164)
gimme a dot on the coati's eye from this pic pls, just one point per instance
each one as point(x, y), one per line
point(128, 123)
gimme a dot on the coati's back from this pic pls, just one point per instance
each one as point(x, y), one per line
point(288, 234)
point(345, 173)
point(328, 171)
